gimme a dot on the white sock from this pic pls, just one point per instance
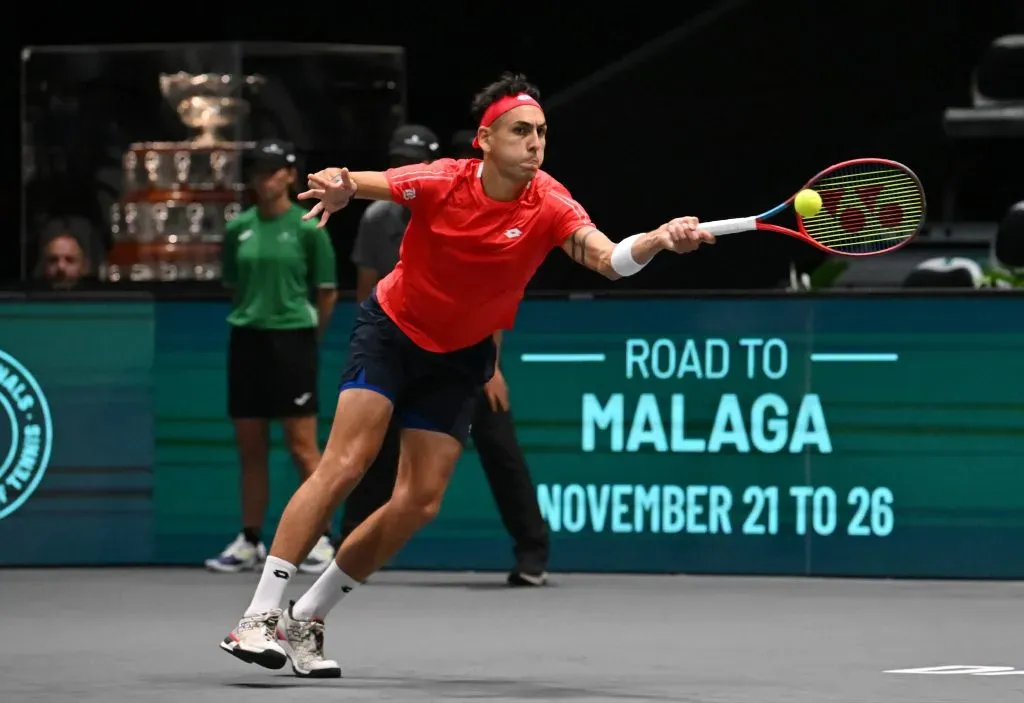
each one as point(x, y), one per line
point(325, 593)
point(276, 575)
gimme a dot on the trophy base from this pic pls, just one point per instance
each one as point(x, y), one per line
point(162, 262)
point(170, 235)
point(183, 166)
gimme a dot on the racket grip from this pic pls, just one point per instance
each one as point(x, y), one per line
point(722, 227)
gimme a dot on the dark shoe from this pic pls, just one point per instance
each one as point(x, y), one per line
point(525, 578)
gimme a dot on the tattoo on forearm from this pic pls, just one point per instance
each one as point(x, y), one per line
point(579, 245)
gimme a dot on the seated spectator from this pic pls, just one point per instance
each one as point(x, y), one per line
point(64, 261)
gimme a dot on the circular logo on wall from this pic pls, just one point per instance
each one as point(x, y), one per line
point(26, 434)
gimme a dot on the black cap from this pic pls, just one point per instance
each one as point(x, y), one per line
point(273, 153)
point(414, 141)
point(462, 144)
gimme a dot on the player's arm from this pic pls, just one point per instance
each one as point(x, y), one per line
point(336, 187)
point(411, 185)
point(371, 185)
point(379, 185)
point(590, 247)
point(368, 185)
point(340, 182)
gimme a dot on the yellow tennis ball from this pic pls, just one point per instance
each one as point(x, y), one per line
point(807, 203)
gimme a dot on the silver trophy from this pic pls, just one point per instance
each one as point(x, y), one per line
point(179, 196)
point(208, 102)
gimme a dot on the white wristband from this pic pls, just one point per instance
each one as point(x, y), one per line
point(623, 262)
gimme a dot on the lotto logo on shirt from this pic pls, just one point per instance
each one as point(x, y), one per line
point(26, 438)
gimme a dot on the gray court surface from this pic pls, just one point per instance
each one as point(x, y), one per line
point(151, 635)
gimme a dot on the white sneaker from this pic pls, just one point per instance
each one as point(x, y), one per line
point(254, 640)
point(319, 557)
point(303, 642)
point(240, 555)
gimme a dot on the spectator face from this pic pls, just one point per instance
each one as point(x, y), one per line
point(63, 262)
point(272, 184)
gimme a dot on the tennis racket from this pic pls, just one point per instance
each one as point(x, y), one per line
point(869, 206)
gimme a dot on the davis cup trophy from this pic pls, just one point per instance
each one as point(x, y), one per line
point(178, 196)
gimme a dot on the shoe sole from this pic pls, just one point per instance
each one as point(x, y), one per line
point(268, 659)
point(318, 673)
point(330, 673)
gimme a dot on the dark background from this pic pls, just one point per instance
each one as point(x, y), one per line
point(722, 119)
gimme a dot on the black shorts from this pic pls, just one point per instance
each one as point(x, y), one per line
point(272, 373)
point(430, 390)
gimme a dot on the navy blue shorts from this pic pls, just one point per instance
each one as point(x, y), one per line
point(430, 390)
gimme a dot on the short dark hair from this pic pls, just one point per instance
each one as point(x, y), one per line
point(509, 84)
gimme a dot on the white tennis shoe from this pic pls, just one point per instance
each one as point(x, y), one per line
point(303, 642)
point(255, 640)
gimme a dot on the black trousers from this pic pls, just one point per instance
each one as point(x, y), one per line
point(494, 436)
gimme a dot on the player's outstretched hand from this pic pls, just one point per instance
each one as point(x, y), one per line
point(333, 187)
point(683, 235)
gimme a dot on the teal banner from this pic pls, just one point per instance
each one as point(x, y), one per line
point(876, 436)
point(77, 436)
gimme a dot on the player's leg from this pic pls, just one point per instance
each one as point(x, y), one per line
point(297, 406)
point(363, 412)
point(494, 435)
point(301, 436)
point(377, 485)
point(425, 467)
point(426, 464)
point(435, 413)
point(360, 422)
point(249, 413)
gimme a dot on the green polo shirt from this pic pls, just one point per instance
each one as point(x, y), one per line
point(273, 265)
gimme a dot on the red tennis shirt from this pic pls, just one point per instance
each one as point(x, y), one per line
point(465, 259)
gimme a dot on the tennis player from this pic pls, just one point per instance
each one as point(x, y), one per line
point(423, 347)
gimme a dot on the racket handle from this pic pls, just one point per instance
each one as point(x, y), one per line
point(722, 227)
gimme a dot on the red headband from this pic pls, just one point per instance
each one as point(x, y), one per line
point(500, 107)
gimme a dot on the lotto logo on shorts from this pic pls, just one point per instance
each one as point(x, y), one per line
point(26, 437)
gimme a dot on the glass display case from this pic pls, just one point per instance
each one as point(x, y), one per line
point(148, 143)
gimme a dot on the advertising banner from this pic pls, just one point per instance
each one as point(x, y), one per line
point(875, 436)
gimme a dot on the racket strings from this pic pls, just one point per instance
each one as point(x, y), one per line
point(866, 208)
point(835, 231)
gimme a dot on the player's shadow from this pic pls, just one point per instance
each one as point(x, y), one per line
point(498, 584)
point(450, 689)
point(269, 685)
point(476, 586)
